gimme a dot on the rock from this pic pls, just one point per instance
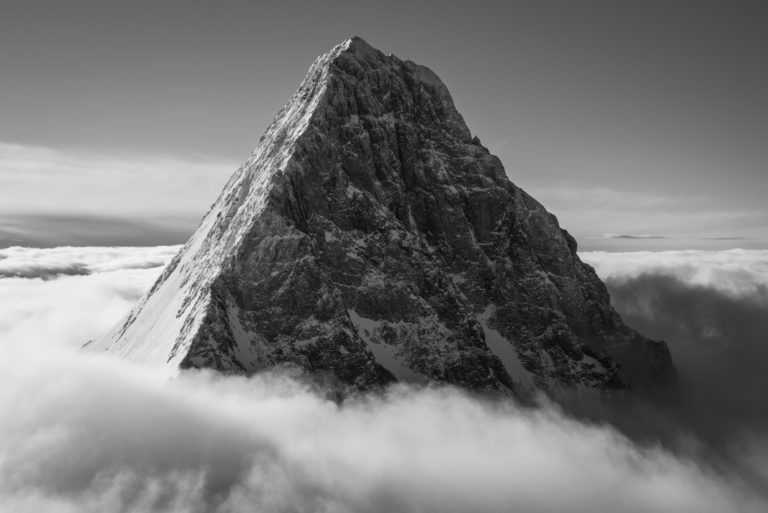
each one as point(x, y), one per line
point(370, 238)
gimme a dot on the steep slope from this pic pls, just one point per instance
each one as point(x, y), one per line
point(370, 238)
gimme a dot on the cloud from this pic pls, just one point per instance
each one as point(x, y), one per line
point(737, 272)
point(45, 193)
point(718, 339)
point(87, 433)
point(94, 435)
point(69, 310)
point(22, 262)
point(711, 307)
point(623, 236)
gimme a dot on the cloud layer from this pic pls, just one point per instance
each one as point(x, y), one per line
point(736, 272)
point(68, 260)
point(39, 314)
point(89, 434)
point(712, 310)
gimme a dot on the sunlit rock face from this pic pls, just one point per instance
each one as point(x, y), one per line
point(370, 239)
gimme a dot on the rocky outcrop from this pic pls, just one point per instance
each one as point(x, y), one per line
point(370, 238)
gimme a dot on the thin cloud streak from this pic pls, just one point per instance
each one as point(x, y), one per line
point(625, 236)
point(39, 181)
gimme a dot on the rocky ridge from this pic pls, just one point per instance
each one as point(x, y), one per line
point(370, 238)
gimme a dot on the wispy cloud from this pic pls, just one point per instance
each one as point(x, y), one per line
point(41, 187)
point(625, 236)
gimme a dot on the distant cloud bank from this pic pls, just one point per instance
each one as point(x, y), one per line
point(19, 262)
point(737, 271)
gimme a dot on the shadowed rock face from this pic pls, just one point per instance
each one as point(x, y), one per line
point(370, 238)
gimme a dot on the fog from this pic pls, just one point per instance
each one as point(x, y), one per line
point(711, 307)
point(81, 432)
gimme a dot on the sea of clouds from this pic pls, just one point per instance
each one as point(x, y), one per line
point(80, 432)
point(711, 307)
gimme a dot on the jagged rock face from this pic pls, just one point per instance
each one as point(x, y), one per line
point(370, 238)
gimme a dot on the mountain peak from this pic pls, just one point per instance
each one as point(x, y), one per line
point(369, 239)
point(358, 44)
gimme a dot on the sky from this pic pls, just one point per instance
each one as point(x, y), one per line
point(642, 125)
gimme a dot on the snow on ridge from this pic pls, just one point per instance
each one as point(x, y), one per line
point(173, 309)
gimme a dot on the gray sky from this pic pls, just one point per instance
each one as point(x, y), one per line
point(626, 118)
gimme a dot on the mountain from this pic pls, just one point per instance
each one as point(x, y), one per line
point(371, 238)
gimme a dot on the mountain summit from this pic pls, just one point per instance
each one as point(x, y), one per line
point(369, 239)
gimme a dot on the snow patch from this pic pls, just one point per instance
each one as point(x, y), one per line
point(385, 354)
point(505, 351)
